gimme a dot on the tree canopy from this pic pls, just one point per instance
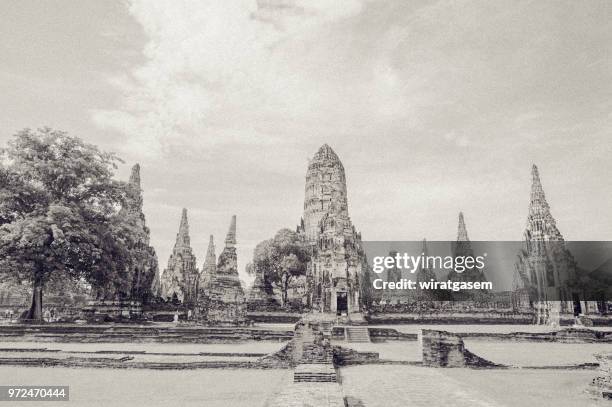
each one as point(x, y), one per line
point(281, 258)
point(59, 212)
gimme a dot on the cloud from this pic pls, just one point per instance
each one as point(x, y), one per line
point(429, 105)
point(211, 65)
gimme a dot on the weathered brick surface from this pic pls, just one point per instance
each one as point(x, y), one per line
point(180, 278)
point(138, 334)
point(602, 384)
point(445, 349)
point(224, 301)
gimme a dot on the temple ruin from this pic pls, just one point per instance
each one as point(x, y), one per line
point(209, 267)
point(144, 265)
point(338, 262)
point(180, 279)
point(223, 300)
point(462, 247)
point(545, 268)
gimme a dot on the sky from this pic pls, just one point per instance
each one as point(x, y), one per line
point(434, 107)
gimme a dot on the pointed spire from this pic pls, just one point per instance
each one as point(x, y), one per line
point(462, 235)
point(135, 176)
point(540, 223)
point(210, 263)
point(211, 257)
point(325, 152)
point(211, 246)
point(230, 240)
point(182, 237)
point(538, 199)
point(134, 193)
point(462, 247)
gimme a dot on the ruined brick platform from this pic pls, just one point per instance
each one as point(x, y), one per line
point(445, 349)
point(602, 384)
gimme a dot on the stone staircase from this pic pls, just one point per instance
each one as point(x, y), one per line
point(357, 334)
point(316, 361)
point(315, 372)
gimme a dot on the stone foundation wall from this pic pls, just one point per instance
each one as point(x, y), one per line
point(274, 317)
point(346, 357)
point(450, 318)
point(445, 349)
point(112, 310)
point(280, 359)
point(473, 318)
point(124, 334)
point(128, 363)
point(389, 334)
point(567, 335)
point(602, 384)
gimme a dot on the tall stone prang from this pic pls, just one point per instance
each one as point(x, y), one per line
point(394, 274)
point(224, 301)
point(425, 274)
point(462, 235)
point(463, 248)
point(181, 278)
point(142, 268)
point(209, 268)
point(338, 264)
point(145, 272)
point(325, 184)
point(541, 225)
point(260, 296)
point(135, 191)
point(545, 268)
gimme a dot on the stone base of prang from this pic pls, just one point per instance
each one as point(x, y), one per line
point(445, 349)
point(226, 314)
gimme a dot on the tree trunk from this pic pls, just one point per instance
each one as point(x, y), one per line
point(285, 289)
point(35, 313)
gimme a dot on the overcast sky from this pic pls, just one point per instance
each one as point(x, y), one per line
point(433, 107)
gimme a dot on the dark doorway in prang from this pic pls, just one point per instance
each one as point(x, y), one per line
point(577, 305)
point(341, 303)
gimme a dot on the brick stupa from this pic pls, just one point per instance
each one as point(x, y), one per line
point(224, 301)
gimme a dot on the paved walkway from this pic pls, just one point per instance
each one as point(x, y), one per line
point(306, 394)
point(296, 389)
point(395, 386)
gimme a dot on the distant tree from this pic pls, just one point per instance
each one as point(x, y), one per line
point(57, 202)
point(281, 259)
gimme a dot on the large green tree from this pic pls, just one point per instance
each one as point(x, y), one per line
point(132, 260)
point(281, 259)
point(58, 202)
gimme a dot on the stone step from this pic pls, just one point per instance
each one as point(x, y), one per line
point(357, 334)
point(312, 372)
point(314, 379)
